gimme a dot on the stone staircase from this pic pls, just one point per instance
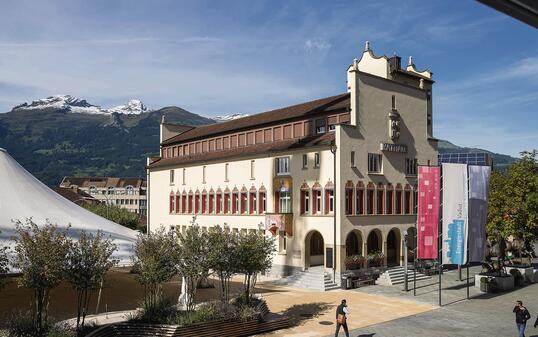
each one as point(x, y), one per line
point(395, 276)
point(313, 278)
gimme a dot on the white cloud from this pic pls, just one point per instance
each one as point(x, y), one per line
point(316, 45)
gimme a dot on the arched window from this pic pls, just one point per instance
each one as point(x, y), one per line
point(244, 197)
point(218, 206)
point(262, 200)
point(316, 198)
point(329, 197)
point(305, 198)
point(184, 202)
point(398, 202)
point(111, 190)
point(93, 190)
point(389, 203)
point(211, 206)
point(349, 197)
point(178, 202)
point(235, 201)
point(359, 195)
point(204, 201)
point(408, 193)
point(370, 198)
point(380, 199)
point(129, 190)
point(252, 201)
point(190, 200)
point(172, 197)
point(197, 202)
point(227, 201)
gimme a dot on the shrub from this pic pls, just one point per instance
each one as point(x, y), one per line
point(21, 324)
point(355, 261)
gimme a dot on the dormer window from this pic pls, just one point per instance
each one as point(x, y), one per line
point(320, 126)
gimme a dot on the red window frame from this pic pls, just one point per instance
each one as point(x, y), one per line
point(390, 202)
point(211, 203)
point(252, 202)
point(349, 201)
point(262, 201)
point(226, 203)
point(243, 202)
point(380, 201)
point(360, 201)
point(204, 203)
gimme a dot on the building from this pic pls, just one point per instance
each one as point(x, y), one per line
point(76, 196)
point(471, 158)
point(128, 193)
point(275, 171)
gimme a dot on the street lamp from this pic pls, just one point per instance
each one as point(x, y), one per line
point(406, 287)
point(333, 151)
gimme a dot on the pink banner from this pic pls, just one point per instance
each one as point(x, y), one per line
point(429, 179)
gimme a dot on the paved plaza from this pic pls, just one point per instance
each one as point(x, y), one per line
point(482, 315)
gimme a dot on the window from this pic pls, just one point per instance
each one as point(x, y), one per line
point(284, 202)
point(203, 175)
point(282, 165)
point(252, 202)
point(317, 202)
point(172, 203)
point(184, 174)
point(129, 190)
point(93, 190)
point(407, 202)
point(197, 203)
point(398, 202)
point(171, 176)
point(352, 158)
point(390, 202)
point(305, 201)
point(374, 163)
point(235, 202)
point(211, 203)
point(226, 172)
point(359, 207)
point(218, 206)
point(349, 201)
point(184, 203)
point(380, 201)
point(111, 190)
point(204, 203)
point(332, 127)
point(320, 126)
point(305, 160)
point(263, 203)
point(190, 203)
point(243, 202)
point(227, 203)
point(282, 242)
point(411, 166)
point(370, 201)
point(329, 201)
point(252, 169)
point(178, 203)
point(316, 159)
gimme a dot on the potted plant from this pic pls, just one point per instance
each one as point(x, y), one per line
point(355, 262)
point(488, 284)
point(375, 259)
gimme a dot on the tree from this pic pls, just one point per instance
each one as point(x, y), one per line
point(194, 262)
point(88, 260)
point(118, 215)
point(254, 253)
point(155, 262)
point(513, 200)
point(41, 255)
point(223, 258)
point(4, 264)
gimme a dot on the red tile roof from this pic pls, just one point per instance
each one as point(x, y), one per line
point(283, 145)
point(327, 104)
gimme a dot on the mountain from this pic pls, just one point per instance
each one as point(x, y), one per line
point(225, 118)
point(500, 161)
point(68, 103)
point(64, 135)
point(61, 136)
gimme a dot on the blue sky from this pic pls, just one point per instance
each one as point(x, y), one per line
point(222, 57)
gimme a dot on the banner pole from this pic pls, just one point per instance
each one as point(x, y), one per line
point(468, 255)
point(415, 250)
point(440, 234)
point(468, 272)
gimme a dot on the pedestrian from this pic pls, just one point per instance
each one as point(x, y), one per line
point(341, 318)
point(522, 315)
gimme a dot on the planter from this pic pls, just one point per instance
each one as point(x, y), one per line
point(503, 282)
point(526, 272)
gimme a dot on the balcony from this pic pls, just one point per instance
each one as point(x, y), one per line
point(279, 222)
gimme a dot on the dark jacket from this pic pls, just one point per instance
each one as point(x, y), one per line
point(340, 310)
point(522, 315)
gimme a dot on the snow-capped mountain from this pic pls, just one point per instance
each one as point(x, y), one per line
point(69, 103)
point(63, 102)
point(225, 118)
point(134, 106)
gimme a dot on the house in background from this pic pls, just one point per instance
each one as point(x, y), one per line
point(128, 193)
point(333, 176)
point(76, 195)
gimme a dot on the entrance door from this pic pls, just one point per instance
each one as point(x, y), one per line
point(392, 249)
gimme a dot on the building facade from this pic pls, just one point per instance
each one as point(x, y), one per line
point(292, 172)
point(128, 193)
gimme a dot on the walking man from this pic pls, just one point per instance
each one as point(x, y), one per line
point(522, 315)
point(341, 318)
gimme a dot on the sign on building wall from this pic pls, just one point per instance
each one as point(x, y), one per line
point(428, 211)
point(478, 208)
point(393, 147)
point(455, 213)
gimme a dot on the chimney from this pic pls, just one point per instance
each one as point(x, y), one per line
point(395, 63)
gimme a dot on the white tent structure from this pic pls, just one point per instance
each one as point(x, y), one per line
point(22, 196)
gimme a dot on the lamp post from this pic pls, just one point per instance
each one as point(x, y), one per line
point(406, 285)
point(333, 151)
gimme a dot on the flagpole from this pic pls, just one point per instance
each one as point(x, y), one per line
point(440, 234)
point(415, 250)
point(468, 260)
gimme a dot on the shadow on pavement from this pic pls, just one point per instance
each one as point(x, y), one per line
point(366, 335)
point(299, 313)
